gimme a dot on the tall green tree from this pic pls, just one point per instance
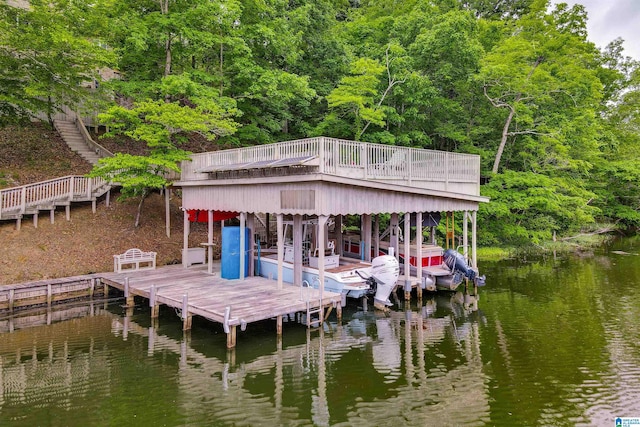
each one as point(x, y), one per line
point(46, 57)
point(544, 77)
point(164, 125)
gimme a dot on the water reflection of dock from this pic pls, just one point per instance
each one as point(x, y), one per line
point(417, 384)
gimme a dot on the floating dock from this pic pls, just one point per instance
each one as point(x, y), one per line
point(232, 303)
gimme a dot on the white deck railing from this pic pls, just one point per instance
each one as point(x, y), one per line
point(413, 167)
point(19, 200)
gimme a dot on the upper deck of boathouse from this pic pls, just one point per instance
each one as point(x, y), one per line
point(415, 168)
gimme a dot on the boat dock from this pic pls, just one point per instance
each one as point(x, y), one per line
point(232, 303)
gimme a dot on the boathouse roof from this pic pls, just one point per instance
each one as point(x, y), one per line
point(328, 176)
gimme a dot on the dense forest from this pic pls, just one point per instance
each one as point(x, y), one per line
point(554, 118)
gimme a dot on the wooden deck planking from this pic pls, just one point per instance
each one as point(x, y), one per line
point(250, 300)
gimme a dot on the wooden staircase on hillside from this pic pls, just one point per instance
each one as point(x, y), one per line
point(47, 195)
point(76, 136)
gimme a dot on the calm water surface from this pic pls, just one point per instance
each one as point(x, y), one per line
point(551, 342)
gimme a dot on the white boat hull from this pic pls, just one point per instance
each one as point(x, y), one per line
point(346, 282)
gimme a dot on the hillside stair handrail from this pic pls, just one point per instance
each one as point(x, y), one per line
point(99, 149)
point(26, 199)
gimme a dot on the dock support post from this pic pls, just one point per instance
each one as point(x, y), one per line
point(186, 317)
point(11, 297)
point(106, 290)
point(407, 256)
point(155, 308)
point(419, 255)
point(49, 294)
point(35, 220)
point(185, 239)
point(376, 236)
point(339, 312)
point(243, 243)
point(92, 287)
point(279, 325)
point(365, 236)
point(231, 337)
point(474, 232)
point(393, 235)
point(52, 215)
point(210, 241)
point(280, 231)
point(465, 237)
point(129, 301)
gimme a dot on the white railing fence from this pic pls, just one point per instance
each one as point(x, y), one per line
point(19, 200)
point(353, 159)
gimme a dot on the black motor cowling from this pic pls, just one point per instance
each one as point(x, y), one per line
point(456, 262)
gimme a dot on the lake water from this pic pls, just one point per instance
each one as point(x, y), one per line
point(551, 342)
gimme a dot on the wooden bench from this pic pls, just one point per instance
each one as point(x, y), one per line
point(136, 259)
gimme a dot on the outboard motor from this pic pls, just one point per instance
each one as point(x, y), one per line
point(385, 271)
point(456, 262)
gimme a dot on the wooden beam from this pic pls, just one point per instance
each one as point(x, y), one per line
point(393, 235)
point(297, 250)
point(251, 224)
point(185, 239)
point(465, 233)
point(366, 236)
point(210, 241)
point(280, 231)
point(338, 232)
point(243, 243)
point(322, 226)
point(474, 232)
point(407, 256)
point(167, 211)
point(376, 236)
point(231, 337)
point(186, 316)
point(419, 253)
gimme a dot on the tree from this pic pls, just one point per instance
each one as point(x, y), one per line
point(45, 57)
point(355, 95)
point(544, 75)
point(163, 125)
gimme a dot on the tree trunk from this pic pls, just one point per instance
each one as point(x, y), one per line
point(167, 61)
point(164, 9)
point(503, 141)
point(512, 113)
point(145, 193)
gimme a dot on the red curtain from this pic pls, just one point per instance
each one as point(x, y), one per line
point(197, 215)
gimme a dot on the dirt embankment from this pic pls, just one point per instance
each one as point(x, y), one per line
point(88, 241)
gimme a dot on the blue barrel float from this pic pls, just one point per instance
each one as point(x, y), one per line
point(230, 252)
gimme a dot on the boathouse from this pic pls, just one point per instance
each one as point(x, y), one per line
point(326, 177)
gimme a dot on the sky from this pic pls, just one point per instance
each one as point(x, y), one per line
point(610, 19)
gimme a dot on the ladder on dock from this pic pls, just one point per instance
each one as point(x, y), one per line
point(315, 314)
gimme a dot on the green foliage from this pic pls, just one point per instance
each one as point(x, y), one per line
point(528, 208)
point(356, 94)
point(163, 126)
point(554, 119)
point(45, 58)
